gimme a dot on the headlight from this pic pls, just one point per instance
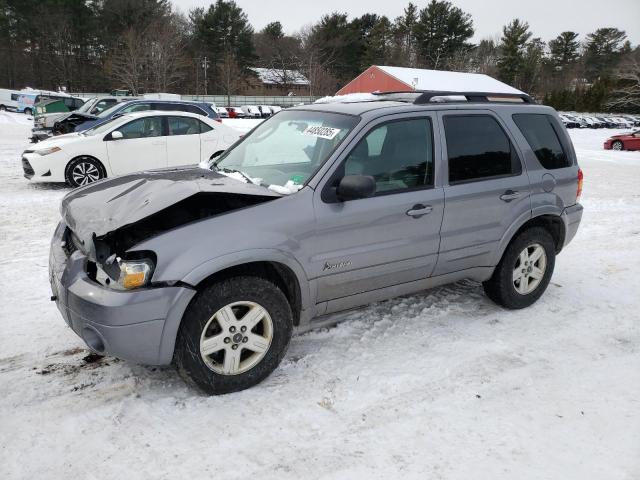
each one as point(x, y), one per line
point(135, 273)
point(47, 151)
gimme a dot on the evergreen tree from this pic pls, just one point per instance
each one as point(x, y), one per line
point(513, 45)
point(222, 29)
point(405, 37)
point(603, 52)
point(441, 32)
point(564, 49)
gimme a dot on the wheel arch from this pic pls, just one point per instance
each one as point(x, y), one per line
point(276, 267)
point(551, 222)
point(77, 157)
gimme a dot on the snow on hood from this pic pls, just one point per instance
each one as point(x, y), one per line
point(107, 205)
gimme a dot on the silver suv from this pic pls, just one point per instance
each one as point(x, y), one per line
point(319, 210)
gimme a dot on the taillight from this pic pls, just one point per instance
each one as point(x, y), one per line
point(580, 180)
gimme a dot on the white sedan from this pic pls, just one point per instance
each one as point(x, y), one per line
point(128, 143)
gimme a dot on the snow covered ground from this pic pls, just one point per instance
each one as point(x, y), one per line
point(439, 385)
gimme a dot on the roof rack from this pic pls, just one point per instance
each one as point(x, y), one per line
point(419, 97)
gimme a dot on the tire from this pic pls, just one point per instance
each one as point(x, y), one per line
point(2, 108)
point(83, 171)
point(216, 373)
point(512, 293)
point(617, 145)
point(28, 111)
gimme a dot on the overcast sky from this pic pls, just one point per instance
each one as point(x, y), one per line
point(547, 18)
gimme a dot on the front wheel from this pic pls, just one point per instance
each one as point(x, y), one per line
point(233, 335)
point(617, 145)
point(525, 270)
point(83, 171)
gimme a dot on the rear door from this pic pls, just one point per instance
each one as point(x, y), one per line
point(391, 238)
point(143, 146)
point(486, 188)
point(183, 141)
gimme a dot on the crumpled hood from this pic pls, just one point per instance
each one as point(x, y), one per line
point(107, 205)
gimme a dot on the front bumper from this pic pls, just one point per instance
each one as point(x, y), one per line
point(571, 217)
point(138, 325)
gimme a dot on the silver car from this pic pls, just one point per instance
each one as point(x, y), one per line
point(319, 210)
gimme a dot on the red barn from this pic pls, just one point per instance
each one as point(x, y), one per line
point(388, 79)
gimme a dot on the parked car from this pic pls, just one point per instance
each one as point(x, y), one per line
point(125, 144)
point(569, 122)
point(44, 123)
point(624, 141)
point(251, 111)
point(8, 99)
point(275, 109)
point(79, 123)
point(319, 210)
point(265, 111)
point(222, 112)
point(235, 112)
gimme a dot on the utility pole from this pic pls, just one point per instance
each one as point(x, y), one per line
point(205, 66)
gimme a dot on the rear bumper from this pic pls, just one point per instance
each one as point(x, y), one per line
point(571, 216)
point(138, 325)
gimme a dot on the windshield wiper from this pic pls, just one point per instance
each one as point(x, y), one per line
point(233, 170)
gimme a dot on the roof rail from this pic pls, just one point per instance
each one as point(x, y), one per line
point(426, 96)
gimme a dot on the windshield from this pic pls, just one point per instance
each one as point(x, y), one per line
point(104, 127)
point(110, 110)
point(286, 150)
point(87, 105)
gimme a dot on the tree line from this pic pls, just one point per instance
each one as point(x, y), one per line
point(145, 45)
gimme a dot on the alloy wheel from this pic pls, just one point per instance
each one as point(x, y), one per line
point(84, 173)
point(236, 338)
point(529, 269)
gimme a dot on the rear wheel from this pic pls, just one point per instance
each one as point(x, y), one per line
point(233, 335)
point(28, 111)
point(83, 171)
point(2, 108)
point(525, 270)
point(617, 145)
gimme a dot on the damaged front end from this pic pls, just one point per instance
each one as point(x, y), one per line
point(107, 219)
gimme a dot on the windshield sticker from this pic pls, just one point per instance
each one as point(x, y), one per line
point(322, 132)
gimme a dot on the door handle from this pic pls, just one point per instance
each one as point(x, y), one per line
point(419, 210)
point(509, 195)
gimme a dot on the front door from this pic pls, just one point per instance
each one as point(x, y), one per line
point(391, 238)
point(143, 146)
point(486, 191)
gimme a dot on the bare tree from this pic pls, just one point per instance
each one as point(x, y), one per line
point(230, 74)
point(128, 62)
point(166, 54)
point(627, 96)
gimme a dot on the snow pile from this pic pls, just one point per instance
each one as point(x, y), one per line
point(441, 384)
point(349, 98)
point(13, 118)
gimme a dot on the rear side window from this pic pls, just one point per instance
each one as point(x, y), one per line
point(543, 139)
point(184, 126)
point(478, 149)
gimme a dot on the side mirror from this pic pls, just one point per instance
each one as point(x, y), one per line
point(116, 135)
point(354, 187)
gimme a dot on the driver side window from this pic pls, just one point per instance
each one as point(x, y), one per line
point(142, 128)
point(398, 155)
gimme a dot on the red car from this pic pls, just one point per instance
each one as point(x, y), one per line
point(625, 141)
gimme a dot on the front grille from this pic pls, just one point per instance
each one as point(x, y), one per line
point(28, 169)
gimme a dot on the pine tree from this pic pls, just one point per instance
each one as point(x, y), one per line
point(441, 32)
point(513, 46)
point(603, 51)
point(564, 50)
